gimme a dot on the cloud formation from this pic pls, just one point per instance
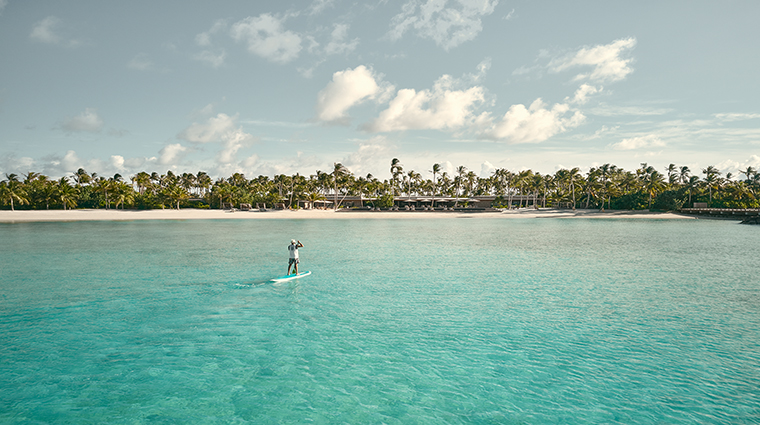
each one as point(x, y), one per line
point(347, 88)
point(171, 153)
point(606, 60)
point(364, 159)
point(215, 59)
point(533, 124)
point(221, 129)
point(582, 94)
point(338, 41)
point(44, 31)
point(141, 62)
point(632, 143)
point(448, 23)
point(210, 55)
point(88, 121)
point(440, 108)
point(266, 37)
point(736, 116)
point(48, 31)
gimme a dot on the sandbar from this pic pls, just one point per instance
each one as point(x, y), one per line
point(26, 216)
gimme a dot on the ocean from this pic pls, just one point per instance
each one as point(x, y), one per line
point(403, 321)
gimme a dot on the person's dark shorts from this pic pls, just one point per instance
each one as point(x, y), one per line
point(293, 261)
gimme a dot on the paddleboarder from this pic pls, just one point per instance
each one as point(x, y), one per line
point(293, 261)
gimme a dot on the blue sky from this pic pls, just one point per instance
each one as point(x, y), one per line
point(294, 86)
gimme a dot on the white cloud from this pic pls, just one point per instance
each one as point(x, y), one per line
point(606, 110)
point(215, 59)
point(736, 116)
point(87, 121)
point(366, 158)
point(3, 3)
point(44, 31)
point(71, 161)
point(250, 162)
point(606, 60)
point(141, 62)
point(49, 31)
point(317, 6)
point(641, 142)
point(55, 166)
point(480, 74)
point(347, 88)
point(447, 26)
point(117, 161)
point(220, 129)
point(448, 168)
point(439, 108)
point(582, 94)
point(215, 130)
point(10, 163)
point(338, 43)
point(266, 37)
point(204, 39)
point(486, 168)
point(531, 125)
point(736, 167)
point(171, 153)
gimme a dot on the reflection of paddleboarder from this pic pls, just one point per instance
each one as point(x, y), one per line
point(293, 262)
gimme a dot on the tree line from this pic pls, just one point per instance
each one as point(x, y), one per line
point(605, 186)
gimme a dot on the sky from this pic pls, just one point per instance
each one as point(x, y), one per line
point(265, 87)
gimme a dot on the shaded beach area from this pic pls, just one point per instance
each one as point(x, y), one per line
point(206, 214)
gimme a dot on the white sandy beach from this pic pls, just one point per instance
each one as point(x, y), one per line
point(198, 214)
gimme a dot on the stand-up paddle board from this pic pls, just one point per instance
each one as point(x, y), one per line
point(290, 277)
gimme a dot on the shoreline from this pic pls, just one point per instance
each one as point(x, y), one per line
point(34, 216)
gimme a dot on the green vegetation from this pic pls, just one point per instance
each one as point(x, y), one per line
point(606, 186)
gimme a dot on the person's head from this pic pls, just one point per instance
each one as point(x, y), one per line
point(292, 241)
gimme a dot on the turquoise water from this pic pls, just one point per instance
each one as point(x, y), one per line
point(486, 321)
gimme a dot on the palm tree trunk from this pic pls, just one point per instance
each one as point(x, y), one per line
point(572, 186)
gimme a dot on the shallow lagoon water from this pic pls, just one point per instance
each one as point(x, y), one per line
point(479, 320)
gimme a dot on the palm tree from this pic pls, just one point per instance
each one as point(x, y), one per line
point(574, 176)
point(748, 173)
point(142, 180)
point(123, 193)
point(175, 193)
point(413, 180)
point(396, 170)
point(11, 191)
point(81, 177)
point(654, 183)
point(67, 194)
point(683, 175)
point(606, 171)
point(691, 183)
point(436, 169)
point(203, 182)
point(458, 180)
point(672, 174)
point(711, 179)
point(103, 185)
point(593, 184)
point(47, 191)
point(339, 171)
